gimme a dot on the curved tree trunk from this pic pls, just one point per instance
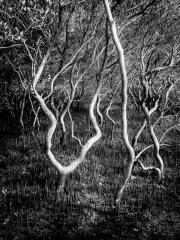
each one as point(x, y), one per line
point(111, 135)
point(22, 110)
point(136, 137)
point(130, 150)
point(154, 138)
point(64, 170)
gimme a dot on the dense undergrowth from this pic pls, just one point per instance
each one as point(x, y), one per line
point(28, 205)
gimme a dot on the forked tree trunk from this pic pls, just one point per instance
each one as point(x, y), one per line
point(63, 171)
point(155, 141)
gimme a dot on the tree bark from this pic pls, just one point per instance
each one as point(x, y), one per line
point(130, 150)
point(63, 171)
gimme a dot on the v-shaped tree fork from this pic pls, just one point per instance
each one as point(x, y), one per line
point(63, 171)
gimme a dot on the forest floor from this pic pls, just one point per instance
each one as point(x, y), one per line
point(28, 205)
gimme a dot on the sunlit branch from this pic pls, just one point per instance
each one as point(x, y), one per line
point(72, 129)
point(148, 114)
point(165, 103)
point(11, 46)
point(136, 137)
point(36, 119)
point(144, 168)
point(109, 108)
point(133, 97)
point(22, 109)
point(66, 66)
point(98, 109)
point(128, 146)
point(73, 91)
point(64, 170)
point(160, 142)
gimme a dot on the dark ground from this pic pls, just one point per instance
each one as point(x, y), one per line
point(28, 206)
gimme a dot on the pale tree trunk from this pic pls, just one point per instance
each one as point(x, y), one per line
point(140, 130)
point(63, 171)
point(22, 110)
point(60, 185)
point(155, 141)
point(98, 110)
point(130, 150)
point(63, 139)
point(111, 136)
point(74, 86)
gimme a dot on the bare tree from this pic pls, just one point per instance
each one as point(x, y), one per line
point(125, 137)
point(148, 102)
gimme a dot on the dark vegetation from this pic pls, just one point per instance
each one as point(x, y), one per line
point(149, 34)
point(28, 205)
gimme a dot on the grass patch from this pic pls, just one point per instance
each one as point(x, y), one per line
point(28, 206)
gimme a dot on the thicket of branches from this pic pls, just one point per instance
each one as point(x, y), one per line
point(97, 55)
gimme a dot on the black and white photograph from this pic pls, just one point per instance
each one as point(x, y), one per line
point(89, 119)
